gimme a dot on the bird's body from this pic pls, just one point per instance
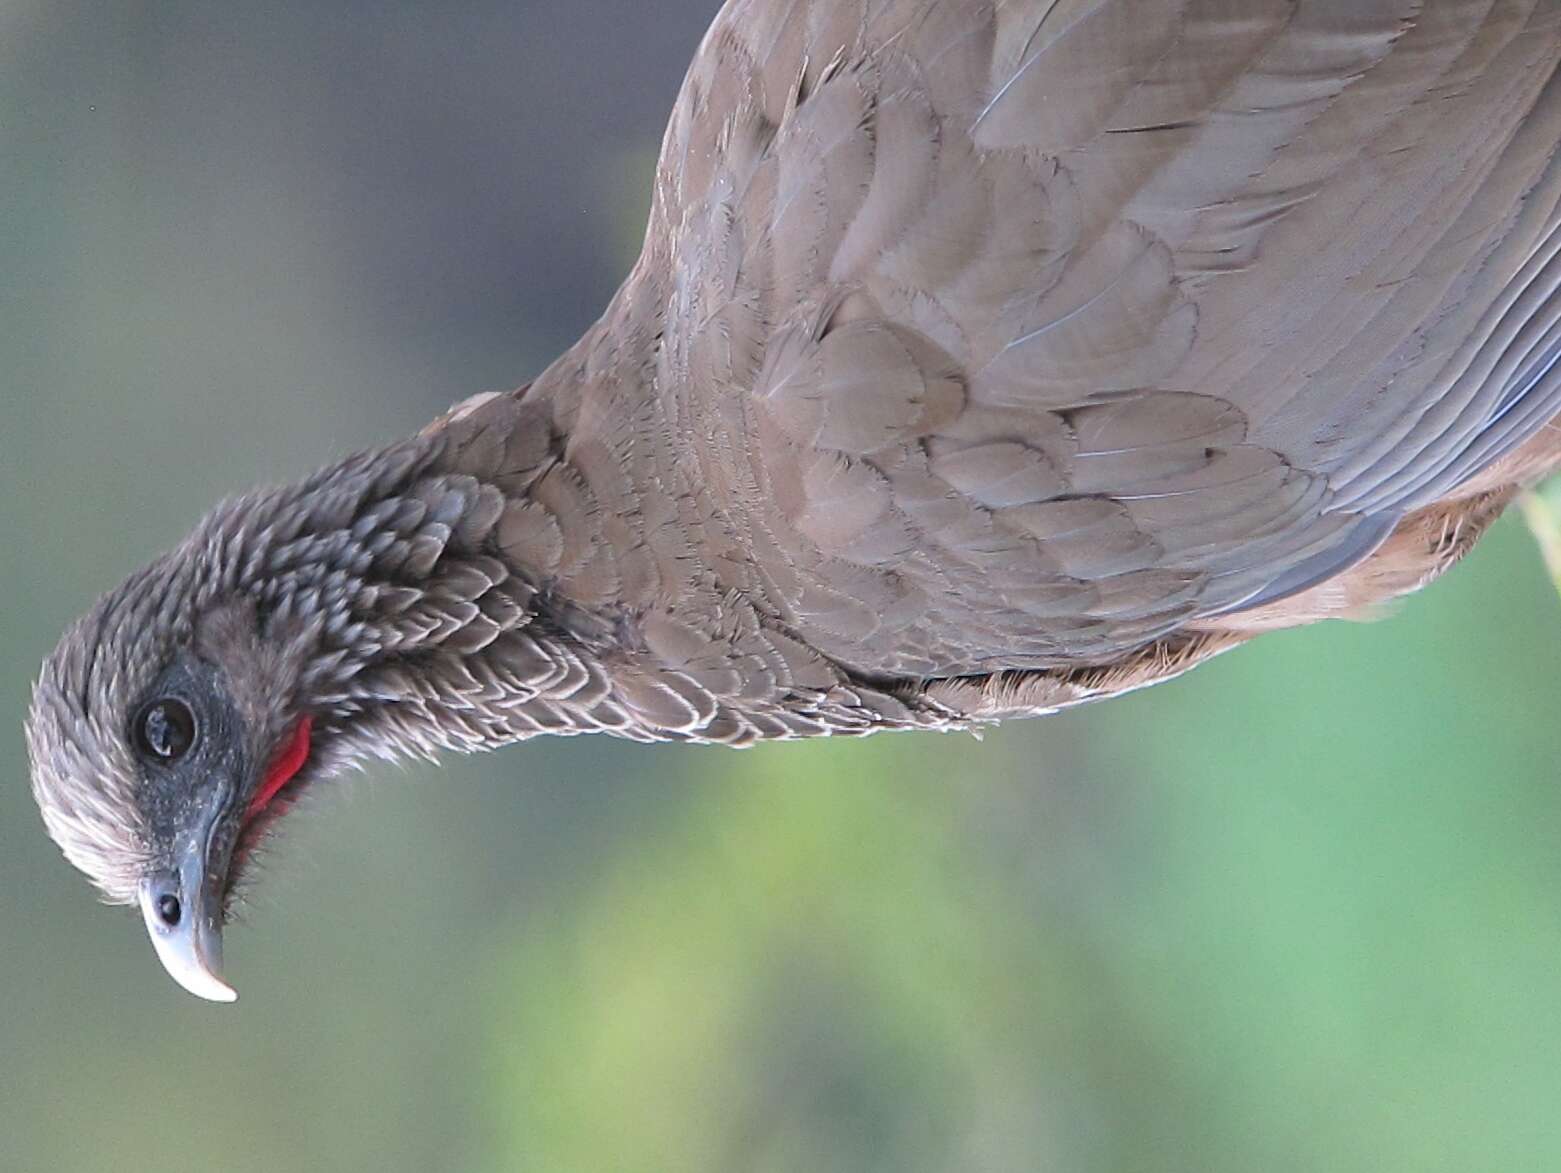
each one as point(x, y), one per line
point(981, 359)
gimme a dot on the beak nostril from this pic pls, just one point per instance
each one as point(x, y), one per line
point(168, 909)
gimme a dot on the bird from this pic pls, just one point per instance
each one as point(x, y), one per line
point(982, 359)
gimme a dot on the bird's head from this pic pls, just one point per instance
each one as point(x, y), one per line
point(167, 730)
point(295, 632)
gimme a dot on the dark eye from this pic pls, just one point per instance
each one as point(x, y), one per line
point(165, 730)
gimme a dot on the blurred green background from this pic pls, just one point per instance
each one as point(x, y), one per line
point(1299, 911)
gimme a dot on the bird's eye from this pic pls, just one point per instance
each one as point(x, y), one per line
point(165, 730)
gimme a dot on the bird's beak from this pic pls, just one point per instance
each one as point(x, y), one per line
point(183, 911)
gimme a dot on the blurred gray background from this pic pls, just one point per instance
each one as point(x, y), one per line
point(1299, 911)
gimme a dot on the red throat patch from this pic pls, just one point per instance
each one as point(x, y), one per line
point(288, 761)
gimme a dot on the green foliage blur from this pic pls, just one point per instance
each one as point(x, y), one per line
point(1300, 911)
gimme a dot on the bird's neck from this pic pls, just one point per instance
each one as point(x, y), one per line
point(384, 584)
point(475, 586)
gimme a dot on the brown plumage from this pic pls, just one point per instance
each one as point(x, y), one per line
point(981, 359)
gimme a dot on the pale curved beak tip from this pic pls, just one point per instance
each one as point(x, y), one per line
point(204, 985)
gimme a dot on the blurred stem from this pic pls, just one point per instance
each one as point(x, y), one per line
point(1542, 510)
